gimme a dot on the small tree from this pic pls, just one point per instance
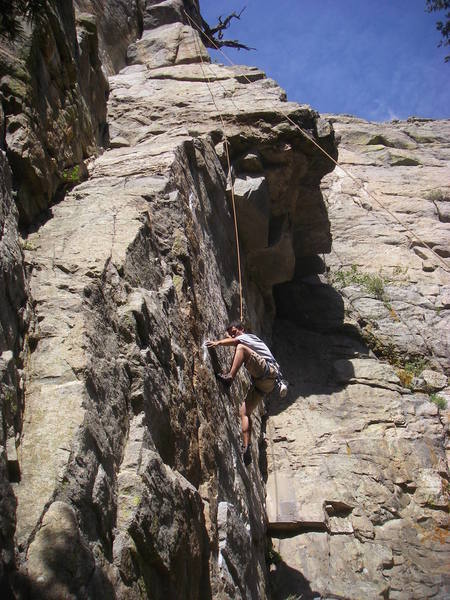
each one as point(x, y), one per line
point(443, 27)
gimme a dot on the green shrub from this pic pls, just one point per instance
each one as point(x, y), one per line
point(373, 284)
point(72, 175)
point(27, 245)
point(439, 401)
point(416, 365)
point(410, 369)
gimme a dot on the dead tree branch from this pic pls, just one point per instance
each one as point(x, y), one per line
point(212, 37)
point(222, 25)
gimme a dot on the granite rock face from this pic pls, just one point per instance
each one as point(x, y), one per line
point(409, 307)
point(121, 472)
point(53, 93)
point(119, 23)
point(357, 489)
point(129, 452)
point(14, 321)
point(272, 163)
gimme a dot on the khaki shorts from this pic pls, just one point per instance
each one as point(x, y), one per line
point(261, 383)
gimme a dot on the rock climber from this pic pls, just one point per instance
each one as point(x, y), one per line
point(262, 366)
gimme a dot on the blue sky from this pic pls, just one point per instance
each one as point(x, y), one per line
point(377, 59)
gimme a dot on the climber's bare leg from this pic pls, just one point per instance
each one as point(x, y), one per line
point(241, 355)
point(246, 424)
point(245, 411)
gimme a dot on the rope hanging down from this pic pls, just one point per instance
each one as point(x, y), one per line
point(229, 177)
point(335, 162)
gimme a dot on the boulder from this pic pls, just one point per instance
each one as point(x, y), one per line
point(167, 45)
point(434, 381)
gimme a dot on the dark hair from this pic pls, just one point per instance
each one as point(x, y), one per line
point(237, 324)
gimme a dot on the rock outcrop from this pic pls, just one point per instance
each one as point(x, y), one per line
point(405, 166)
point(121, 473)
point(357, 467)
point(54, 100)
point(131, 480)
point(14, 320)
point(117, 23)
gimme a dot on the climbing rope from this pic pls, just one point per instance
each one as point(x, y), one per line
point(334, 161)
point(229, 177)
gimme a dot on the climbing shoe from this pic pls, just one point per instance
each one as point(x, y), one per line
point(225, 378)
point(247, 454)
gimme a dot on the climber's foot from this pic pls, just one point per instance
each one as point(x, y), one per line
point(225, 378)
point(247, 454)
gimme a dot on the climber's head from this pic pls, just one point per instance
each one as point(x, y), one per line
point(235, 328)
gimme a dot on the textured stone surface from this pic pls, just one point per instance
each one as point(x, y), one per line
point(409, 307)
point(53, 93)
point(434, 381)
point(128, 384)
point(291, 169)
point(119, 23)
point(131, 482)
point(357, 476)
point(14, 318)
point(59, 536)
point(357, 483)
point(130, 450)
point(167, 45)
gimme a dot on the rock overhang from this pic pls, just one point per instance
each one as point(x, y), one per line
point(240, 107)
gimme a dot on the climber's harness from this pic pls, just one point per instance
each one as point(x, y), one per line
point(271, 371)
point(272, 364)
point(280, 385)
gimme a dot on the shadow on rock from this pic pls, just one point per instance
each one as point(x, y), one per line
point(286, 582)
point(310, 303)
point(309, 337)
point(60, 563)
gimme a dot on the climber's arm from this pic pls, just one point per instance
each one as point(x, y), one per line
point(228, 341)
